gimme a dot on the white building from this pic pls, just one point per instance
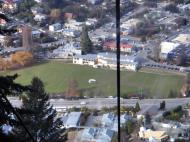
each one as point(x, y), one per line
point(130, 24)
point(126, 62)
point(36, 10)
point(91, 21)
point(66, 51)
point(38, 1)
point(55, 27)
point(36, 34)
point(167, 47)
point(73, 24)
point(89, 59)
point(153, 136)
point(70, 33)
point(40, 17)
point(2, 38)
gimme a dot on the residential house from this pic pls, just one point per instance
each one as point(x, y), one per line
point(2, 39)
point(153, 136)
point(89, 134)
point(73, 120)
point(95, 1)
point(40, 17)
point(128, 25)
point(36, 10)
point(97, 135)
point(39, 1)
point(108, 119)
point(106, 135)
point(125, 118)
point(70, 33)
point(66, 51)
point(89, 59)
point(10, 5)
point(36, 34)
point(111, 46)
point(73, 24)
point(91, 21)
point(55, 27)
point(3, 22)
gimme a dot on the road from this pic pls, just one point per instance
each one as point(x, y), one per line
point(98, 103)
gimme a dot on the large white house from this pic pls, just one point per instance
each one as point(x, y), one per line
point(89, 59)
point(110, 60)
point(66, 51)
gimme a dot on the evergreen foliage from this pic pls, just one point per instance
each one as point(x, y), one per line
point(137, 107)
point(41, 117)
point(86, 43)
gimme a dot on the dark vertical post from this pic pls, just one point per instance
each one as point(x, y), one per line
point(118, 63)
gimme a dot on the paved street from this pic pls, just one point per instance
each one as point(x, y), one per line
point(108, 102)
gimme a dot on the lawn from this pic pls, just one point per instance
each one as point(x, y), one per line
point(56, 75)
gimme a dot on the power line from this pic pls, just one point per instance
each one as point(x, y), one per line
point(118, 64)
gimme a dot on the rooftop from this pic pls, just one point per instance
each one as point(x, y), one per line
point(73, 119)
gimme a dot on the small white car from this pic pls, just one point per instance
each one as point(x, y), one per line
point(83, 103)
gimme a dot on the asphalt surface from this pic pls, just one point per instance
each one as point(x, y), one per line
point(98, 103)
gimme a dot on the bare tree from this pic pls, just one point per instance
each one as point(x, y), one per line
point(72, 91)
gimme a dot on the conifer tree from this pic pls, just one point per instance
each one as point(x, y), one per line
point(85, 43)
point(41, 117)
point(137, 107)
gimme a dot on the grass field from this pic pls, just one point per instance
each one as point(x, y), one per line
point(56, 75)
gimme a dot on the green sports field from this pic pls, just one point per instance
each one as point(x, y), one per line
point(56, 75)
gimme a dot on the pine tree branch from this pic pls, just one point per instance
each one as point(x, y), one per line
point(18, 117)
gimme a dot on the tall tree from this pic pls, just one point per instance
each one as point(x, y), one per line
point(147, 119)
point(137, 107)
point(85, 43)
point(162, 105)
point(41, 119)
point(8, 87)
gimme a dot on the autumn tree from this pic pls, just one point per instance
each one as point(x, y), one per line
point(156, 53)
point(8, 41)
point(21, 58)
point(185, 90)
point(55, 13)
